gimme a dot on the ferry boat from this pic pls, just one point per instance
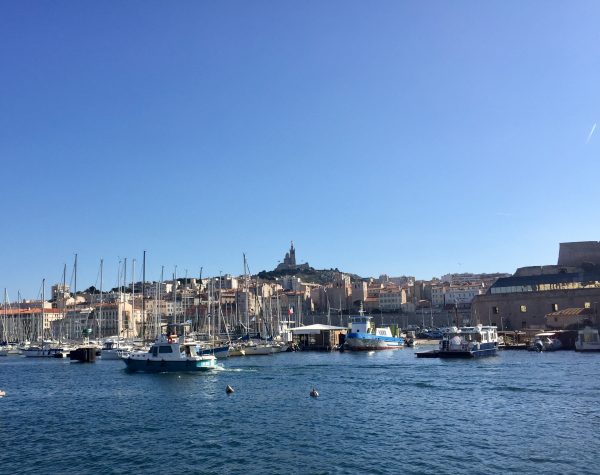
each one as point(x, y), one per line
point(364, 336)
point(469, 342)
point(170, 353)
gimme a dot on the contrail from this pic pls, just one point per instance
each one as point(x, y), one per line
point(591, 133)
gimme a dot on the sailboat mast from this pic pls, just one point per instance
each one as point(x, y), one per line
point(43, 315)
point(4, 330)
point(160, 295)
point(101, 300)
point(143, 299)
point(246, 292)
point(132, 323)
point(75, 278)
point(175, 295)
point(62, 301)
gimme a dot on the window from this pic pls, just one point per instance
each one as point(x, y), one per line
point(523, 308)
point(587, 305)
point(496, 310)
point(555, 307)
point(165, 349)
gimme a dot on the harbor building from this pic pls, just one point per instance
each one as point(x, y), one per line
point(527, 297)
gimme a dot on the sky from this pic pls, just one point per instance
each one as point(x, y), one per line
point(397, 137)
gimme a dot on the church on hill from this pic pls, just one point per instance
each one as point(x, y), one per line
point(289, 261)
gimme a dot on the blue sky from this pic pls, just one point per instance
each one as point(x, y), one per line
point(382, 137)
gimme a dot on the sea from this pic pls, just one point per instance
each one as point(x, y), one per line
point(377, 413)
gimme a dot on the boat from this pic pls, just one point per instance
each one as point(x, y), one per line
point(469, 342)
point(220, 351)
point(252, 348)
point(587, 340)
point(46, 352)
point(364, 336)
point(546, 341)
point(114, 350)
point(170, 353)
point(237, 350)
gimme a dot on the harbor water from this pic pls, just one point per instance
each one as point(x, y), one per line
point(377, 413)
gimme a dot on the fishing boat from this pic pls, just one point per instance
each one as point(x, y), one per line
point(364, 336)
point(469, 342)
point(587, 340)
point(170, 353)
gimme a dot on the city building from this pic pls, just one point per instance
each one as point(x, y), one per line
point(524, 299)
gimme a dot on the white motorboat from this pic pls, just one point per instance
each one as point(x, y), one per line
point(546, 341)
point(115, 350)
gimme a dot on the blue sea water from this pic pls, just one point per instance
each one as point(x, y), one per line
point(378, 413)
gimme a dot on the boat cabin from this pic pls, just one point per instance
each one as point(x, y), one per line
point(361, 324)
point(466, 338)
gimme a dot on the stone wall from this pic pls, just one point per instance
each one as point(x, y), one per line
point(505, 310)
point(576, 253)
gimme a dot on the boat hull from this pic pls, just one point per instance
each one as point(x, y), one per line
point(220, 352)
point(368, 342)
point(587, 348)
point(482, 352)
point(164, 366)
point(260, 350)
point(114, 354)
point(45, 353)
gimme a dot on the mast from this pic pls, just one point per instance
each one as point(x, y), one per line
point(64, 290)
point(43, 315)
point(143, 299)
point(175, 296)
point(74, 292)
point(75, 278)
point(101, 300)
point(132, 323)
point(160, 296)
point(4, 331)
point(246, 291)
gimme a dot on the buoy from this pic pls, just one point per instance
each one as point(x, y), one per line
point(2, 394)
point(314, 393)
point(229, 389)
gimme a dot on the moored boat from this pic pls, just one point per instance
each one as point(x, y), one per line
point(469, 342)
point(219, 351)
point(46, 352)
point(253, 348)
point(115, 350)
point(170, 353)
point(364, 336)
point(545, 341)
point(587, 340)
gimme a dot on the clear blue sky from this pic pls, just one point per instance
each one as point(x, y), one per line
point(400, 137)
